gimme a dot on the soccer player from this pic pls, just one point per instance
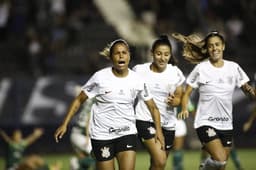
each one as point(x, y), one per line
point(216, 80)
point(17, 145)
point(179, 140)
point(112, 127)
point(80, 139)
point(249, 122)
point(165, 84)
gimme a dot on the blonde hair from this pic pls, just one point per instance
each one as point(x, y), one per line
point(193, 47)
point(106, 52)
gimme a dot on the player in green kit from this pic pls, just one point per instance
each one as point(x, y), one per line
point(17, 145)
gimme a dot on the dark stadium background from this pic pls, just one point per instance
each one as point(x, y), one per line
point(44, 53)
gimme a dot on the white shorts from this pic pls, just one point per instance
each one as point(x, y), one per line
point(80, 142)
point(181, 128)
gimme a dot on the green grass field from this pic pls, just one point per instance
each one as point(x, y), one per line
point(191, 160)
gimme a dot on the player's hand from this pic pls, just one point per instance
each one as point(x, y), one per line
point(160, 137)
point(60, 132)
point(38, 131)
point(183, 114)
point(170, 99)
point(246, 126)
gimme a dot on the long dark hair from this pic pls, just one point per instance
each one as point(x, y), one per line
point(164, 40)
point(213, 34)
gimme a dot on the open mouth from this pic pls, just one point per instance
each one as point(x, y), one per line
point(121, 62)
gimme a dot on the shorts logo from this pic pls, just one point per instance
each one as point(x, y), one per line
point(128, 146)
point(229, 142)
point(211, 132)
point(168, 146)
point(105, 152)
point(151, 130)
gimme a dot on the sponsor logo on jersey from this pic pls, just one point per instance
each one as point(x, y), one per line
point(223, 119)
point(118, 130)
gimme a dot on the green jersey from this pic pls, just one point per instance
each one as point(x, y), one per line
point(15, 153)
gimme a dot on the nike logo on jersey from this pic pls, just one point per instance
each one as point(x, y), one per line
point(106, 92)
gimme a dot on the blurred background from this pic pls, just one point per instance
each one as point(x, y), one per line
point(47, 47)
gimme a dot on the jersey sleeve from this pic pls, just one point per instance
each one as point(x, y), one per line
point(193, 77)
point(135, 68)
point(181, 77)
point(241, 77)
point(91, 88)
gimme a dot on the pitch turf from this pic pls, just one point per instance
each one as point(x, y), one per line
point(191, 160)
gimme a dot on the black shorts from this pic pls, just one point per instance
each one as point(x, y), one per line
point(104, 150)
point(146, 130)
point(208, 133)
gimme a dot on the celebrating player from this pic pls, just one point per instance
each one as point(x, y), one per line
point(216, 80)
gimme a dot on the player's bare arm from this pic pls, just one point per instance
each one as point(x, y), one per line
point(75, 105)
point(175, 99)
point(5, 137)
point(249, 91)
point(184, 103)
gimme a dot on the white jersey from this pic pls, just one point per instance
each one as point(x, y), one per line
point(160, 86)
point(216, 87)
point(113, 113)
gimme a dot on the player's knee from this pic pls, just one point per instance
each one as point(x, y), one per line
point(159, 163)
point(221, 157)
